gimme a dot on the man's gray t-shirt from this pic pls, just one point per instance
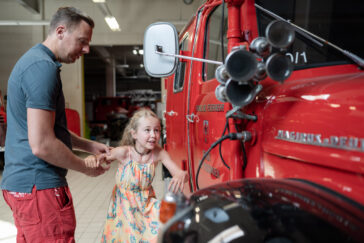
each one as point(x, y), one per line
point(34, 83)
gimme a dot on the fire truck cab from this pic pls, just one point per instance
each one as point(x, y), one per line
point(265, 89)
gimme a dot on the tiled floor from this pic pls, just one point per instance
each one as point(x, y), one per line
point(91, 199)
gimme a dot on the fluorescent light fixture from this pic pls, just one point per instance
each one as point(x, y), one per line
point(99, 1)
point(113, 24)
point(122, 65)
point(23, 22)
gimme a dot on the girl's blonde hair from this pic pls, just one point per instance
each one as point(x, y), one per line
point(133, 124)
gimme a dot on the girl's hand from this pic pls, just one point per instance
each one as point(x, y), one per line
point(94, 165)
point(178, 181)
point(91, 161)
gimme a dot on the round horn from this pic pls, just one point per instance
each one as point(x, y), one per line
point(220, 93)
point(241, 94)
point(280, 34)
point(241, 65)
point(261, 74)
point(279, 67)
point(221, 75)
point(261, 46)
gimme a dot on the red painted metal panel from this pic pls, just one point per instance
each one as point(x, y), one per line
point(73, 121)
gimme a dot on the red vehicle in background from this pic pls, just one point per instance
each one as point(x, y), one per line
point(73, 121)
point(110, 116)
point(237, 109)
point(103, 106)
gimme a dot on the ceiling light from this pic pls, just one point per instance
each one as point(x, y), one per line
point(99, 1)
point(141, 52)
point(113, 24)
point(23, 22)
point(122, 65)
point(135, 52)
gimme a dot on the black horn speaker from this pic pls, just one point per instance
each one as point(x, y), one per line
point(280, 34)
point(241, 65)
point(278, 67)
point(241, 93)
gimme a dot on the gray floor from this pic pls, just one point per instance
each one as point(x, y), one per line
point(91, 199)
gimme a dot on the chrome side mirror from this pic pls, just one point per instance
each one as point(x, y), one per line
point(160, 37)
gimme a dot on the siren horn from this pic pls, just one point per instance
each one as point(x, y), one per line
point(278, 67)
point(220, 93)
point(241, 65)
point(261, 73)
point(261, 46)
point(221, 75)
point(241, 93)
point(280, 34)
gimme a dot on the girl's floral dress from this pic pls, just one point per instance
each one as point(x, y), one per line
point(133, 214)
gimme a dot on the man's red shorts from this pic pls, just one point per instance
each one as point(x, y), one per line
point(44, 215)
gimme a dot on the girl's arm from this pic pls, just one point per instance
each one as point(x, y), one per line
point(88, 145)
point(116, 154)
point(179, 177)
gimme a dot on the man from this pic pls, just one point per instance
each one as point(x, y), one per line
point(38, 144)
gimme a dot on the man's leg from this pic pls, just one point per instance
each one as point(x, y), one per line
point(44, 215)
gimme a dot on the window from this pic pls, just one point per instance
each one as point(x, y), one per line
point(179, 77)
point(212, 48)
point(339, 22)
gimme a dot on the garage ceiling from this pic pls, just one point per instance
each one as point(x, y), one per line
point(107, 47)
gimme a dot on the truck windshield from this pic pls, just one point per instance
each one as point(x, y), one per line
point(339, 22)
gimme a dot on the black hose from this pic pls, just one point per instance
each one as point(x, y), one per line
point(222, 159)
point(231, 136)
point(245, 159)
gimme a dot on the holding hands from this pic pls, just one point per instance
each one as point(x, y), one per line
point(94, 165)
point(98, 164)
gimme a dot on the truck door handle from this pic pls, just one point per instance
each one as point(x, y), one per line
point(171, 113)
point(192, 118)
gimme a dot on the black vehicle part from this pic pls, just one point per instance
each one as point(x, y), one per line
point(223, 133)
point(267, 211)
point(246, 136)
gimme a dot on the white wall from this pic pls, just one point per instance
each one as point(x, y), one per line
point(133, 17)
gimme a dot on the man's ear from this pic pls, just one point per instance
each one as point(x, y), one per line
point(60, 30)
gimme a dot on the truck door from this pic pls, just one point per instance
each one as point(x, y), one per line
point(206, 114)
point(175, 114)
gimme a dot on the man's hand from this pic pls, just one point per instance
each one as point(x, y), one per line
point(94, 165)
point(100, 148)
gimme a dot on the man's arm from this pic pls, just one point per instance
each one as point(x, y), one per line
point(45, 145)
point(88, 145)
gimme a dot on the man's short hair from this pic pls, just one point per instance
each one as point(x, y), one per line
point(70, 17)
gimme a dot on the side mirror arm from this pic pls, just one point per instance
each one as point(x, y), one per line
point(159, 51)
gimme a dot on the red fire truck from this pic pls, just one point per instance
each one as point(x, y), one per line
point(259, 93)
point(265, 89)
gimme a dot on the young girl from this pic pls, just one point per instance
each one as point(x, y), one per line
point(133, 214)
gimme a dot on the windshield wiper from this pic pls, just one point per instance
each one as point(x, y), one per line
point(358, 60)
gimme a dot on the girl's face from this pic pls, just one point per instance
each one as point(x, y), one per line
point(147, 133)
